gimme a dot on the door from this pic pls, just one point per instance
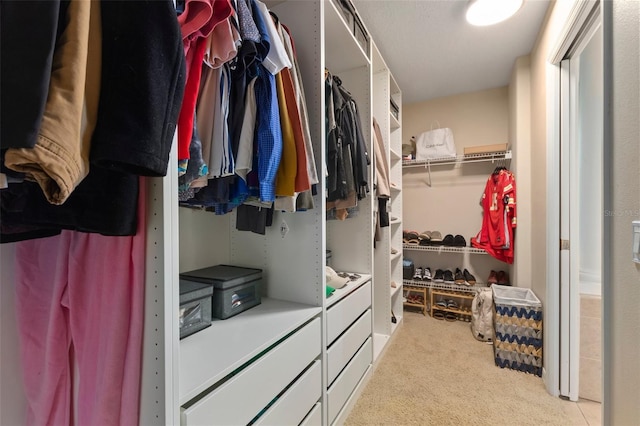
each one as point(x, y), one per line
point(581, 206)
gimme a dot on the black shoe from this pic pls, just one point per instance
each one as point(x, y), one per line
point(448, 277)
point(448, 240)
point(459, 241)
point(439, 276)
point(470, 279)
point(459, 278)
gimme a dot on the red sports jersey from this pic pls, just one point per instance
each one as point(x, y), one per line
point(499, 220)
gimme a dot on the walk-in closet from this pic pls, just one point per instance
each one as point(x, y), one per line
point(302, 354)
point(220, 212)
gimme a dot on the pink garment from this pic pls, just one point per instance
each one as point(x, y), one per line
point(82, 295)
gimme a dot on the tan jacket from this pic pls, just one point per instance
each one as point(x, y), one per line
point(60, 159)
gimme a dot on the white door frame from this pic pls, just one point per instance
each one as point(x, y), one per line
point(580, 14)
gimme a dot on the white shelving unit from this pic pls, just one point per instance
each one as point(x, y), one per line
point(271, 363)
point(388, 266)
point(443, 249)
point(501, 157)
point(462, 158)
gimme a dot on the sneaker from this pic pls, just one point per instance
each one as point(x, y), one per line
point(493, 278)
point(503, 278)
point(459, 278)
point(426, 274)
point(417, 275)
point(468, 278)
point(439, 276)
point(448, 277)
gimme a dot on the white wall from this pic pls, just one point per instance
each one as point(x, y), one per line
point(520, 135)
point(554, 22)
point(621, 285)
point(451, 204)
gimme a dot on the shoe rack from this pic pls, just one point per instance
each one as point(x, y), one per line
point(416, 297)
point(462, 298)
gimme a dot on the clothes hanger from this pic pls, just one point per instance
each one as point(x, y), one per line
point(275, 17)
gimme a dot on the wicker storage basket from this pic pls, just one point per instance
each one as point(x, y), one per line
point(518, 326)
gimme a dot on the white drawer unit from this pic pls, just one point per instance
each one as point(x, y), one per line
point(344, 313)
point(341, 351)
point(314, 418)
point(238, 400)
point(292, 406)
point(340, 391)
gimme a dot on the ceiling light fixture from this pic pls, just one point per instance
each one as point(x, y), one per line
point(489, 12)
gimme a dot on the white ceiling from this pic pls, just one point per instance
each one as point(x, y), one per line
point(433, 52)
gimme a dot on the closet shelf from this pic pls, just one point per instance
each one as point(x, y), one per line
point(395, 155)
point(469, 158)
point(395, 221)
point(444, 286)
point(396, 256)
point(395, 123)
point(443, 249)
point(395, 290)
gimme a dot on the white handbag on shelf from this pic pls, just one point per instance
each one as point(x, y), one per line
point(435, 144)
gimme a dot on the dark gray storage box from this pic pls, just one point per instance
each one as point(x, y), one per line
point(235, 289)
point(195, 307)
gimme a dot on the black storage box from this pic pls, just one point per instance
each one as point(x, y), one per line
point(235, 289)
point(195, 307)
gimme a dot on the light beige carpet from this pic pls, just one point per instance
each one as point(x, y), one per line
point(435, 373)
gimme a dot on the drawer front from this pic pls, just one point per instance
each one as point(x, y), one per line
point(343, 313)
point(295, 403)
point(314, 418)
point(346, 345)
point(341, 389)
point(242, 397)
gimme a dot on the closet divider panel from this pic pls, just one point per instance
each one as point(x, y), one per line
point(381, 291)
point(160, 350)
point(291, 259)
point(395, 177)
